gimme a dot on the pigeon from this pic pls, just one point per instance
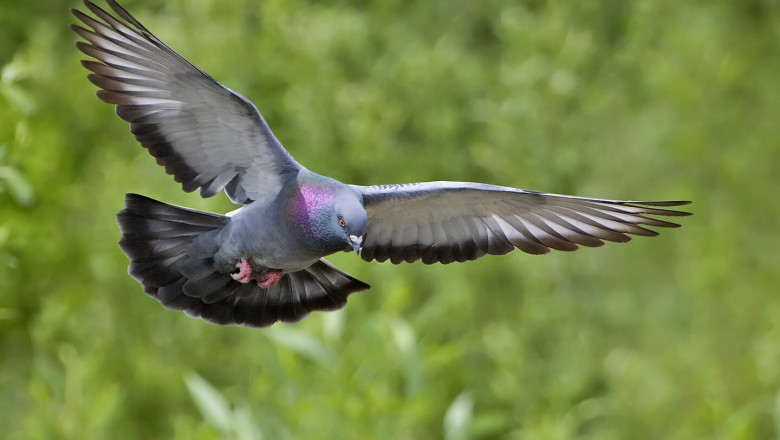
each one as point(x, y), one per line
point(264, 262)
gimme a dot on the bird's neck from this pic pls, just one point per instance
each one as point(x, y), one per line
point(308, 210)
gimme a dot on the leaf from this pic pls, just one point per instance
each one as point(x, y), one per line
point(18, 98)
point(17, 186)
point(301, 343)
point(406, 341)
point(457, 419)
point(244, 424)
point(333, 325)
point(210, 402)
point(14, 71)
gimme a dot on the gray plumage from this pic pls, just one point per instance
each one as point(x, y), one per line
point(172, 254)
point(458, 221)
point(264, 262)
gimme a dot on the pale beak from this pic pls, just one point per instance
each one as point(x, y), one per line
point(357, 243)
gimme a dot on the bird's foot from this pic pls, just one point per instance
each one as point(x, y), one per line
point(244, 274)
point(269, 278)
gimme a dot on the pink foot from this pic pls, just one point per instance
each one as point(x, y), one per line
point(244, 274)
point(269, 278)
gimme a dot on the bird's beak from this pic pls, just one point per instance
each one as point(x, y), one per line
point(357, 243)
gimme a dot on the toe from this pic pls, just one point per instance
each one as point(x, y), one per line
point(244, 275)
point(269, 278)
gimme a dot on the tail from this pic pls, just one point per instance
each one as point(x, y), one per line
point(171, 251)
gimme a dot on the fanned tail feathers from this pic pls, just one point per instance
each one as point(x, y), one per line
point(171, 251)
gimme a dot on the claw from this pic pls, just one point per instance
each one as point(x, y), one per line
point(244, 274)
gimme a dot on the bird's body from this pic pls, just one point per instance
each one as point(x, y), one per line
point(262, 231)
point(263, 262)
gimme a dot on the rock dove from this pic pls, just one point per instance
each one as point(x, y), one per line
point(263, 263)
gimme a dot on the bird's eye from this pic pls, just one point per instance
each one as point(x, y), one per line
point(342, 222)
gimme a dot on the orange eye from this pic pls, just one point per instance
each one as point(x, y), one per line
point(342, 222)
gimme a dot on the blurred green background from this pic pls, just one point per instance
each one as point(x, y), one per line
point(674, 337)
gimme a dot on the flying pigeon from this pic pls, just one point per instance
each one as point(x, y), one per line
point(264, 262)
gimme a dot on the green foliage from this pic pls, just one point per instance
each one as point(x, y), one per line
point(674, 337)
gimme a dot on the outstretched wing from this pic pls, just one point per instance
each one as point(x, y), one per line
point(204, 134)
point(458, 221)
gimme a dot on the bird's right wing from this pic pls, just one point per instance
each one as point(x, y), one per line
point(458, 221)
point(204, 134)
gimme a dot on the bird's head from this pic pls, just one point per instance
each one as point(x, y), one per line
point(328, 216)
point(350, 220)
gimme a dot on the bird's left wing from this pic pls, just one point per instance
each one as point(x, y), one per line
point(204, 134)
point(458, 221)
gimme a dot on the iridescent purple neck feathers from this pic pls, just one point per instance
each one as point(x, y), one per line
point(323, 213)
point(311, 198)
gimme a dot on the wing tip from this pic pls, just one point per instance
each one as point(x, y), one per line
point(650, 205)
point(665, 202)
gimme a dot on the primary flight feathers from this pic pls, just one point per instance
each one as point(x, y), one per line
point(207, 136)
point(264, 263)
